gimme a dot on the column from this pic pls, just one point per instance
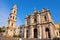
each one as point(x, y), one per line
point(49, 17)
point(58, 33)
point(31, 32)
point(44, 33)
point(52, 30)
point(26, 22)
point(38, 18)
point(39, 32)
point(25, 32)
point(31, 19)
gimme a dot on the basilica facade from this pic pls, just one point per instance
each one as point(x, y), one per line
point(39, 24)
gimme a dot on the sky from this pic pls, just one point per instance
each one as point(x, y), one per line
point(25, 7)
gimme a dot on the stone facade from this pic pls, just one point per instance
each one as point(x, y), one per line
point(17, 31)
point(57, 30)
point(21, 31)
point(39, 25)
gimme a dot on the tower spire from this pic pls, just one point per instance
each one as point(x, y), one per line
point(15, 7)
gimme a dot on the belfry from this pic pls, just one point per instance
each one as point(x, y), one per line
point(11, 22)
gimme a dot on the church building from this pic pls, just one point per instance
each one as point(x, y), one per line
point(39, 24)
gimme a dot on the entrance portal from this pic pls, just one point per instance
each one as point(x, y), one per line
point(35, 33)
point(48, 32)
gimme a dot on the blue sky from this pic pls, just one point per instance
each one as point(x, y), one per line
point(25, 7)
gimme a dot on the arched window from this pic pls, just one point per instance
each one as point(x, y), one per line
point(13, 17)
point(45, 18)
point(14, 11)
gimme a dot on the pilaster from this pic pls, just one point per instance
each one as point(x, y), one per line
point(52, 30)
point(25, 32)
point(31, 32)
point(39, 31)
point(26, 22)
point(31, 19)
point(44, 33)
point(49, 17)
point(38, 18)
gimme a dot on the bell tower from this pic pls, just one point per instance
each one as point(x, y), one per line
point(11, 22)
point(12, 18)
